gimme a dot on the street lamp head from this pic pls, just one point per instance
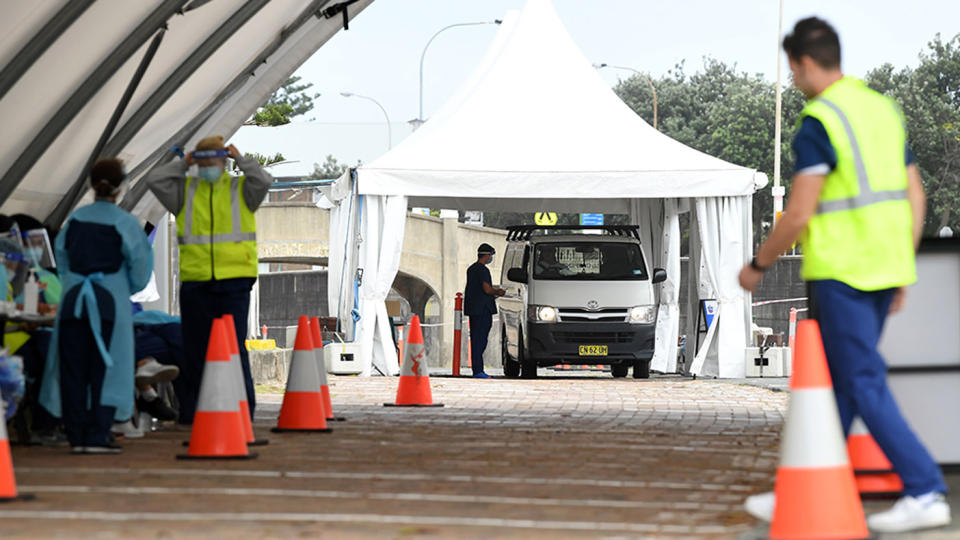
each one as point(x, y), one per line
point(346, 94)
point(598, 66)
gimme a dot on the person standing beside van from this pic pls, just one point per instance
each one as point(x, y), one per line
point(479, 305)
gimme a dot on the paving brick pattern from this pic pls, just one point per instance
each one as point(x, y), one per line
point(583, 455)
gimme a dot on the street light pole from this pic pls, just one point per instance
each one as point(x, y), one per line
point(377, 103)
point(778, 190)
point(419, 121)
point(645, 78)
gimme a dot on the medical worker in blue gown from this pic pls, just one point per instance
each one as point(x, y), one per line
point(103, 256)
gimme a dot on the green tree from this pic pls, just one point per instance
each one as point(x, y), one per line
point(331, 168)
point(930, 98)
point(263, 159)
point(289, 101)
point(724, 113)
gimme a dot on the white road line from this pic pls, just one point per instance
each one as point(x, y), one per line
point(396, 476)
point(332, 494)
point(362, 518)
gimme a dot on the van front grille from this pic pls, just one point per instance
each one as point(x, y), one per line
point(561, 336)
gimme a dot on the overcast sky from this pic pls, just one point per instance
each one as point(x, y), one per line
point(379, 56)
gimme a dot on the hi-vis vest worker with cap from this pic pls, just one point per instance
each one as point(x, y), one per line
point(217, 234)
point(857, 206)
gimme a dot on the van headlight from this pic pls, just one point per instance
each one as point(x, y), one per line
point(642, 315)
point(546, 314)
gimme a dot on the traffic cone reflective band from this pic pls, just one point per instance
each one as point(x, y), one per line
point(322, 368)
point(873, 471)
point(217, 428)
point(816, 496)
point(8, 483)
point(302, 408)
point(414, 387)
point(239, 383)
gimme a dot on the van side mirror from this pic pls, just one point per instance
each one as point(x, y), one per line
point(519, 275)
point(659, 275)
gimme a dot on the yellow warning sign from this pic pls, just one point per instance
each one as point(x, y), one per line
point(545, 218)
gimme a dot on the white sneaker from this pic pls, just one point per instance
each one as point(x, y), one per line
point(153, 372)
point(127, 429)
point(911, 514)
point(761, 506)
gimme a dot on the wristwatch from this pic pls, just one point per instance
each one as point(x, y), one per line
point(757, 267)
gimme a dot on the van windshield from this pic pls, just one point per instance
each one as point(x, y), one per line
point(588, 261)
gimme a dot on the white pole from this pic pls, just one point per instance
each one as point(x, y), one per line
point(778, 190)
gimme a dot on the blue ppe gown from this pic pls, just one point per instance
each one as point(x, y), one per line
point(102, 255)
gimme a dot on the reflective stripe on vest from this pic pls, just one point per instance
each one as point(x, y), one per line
point(235, 236)
point(867, 195)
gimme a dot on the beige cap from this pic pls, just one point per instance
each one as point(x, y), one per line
point(213, 142)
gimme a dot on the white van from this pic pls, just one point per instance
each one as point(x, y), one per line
point(577, 299)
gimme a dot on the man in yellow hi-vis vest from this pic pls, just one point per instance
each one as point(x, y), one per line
point(857, 206)
point(217, 234)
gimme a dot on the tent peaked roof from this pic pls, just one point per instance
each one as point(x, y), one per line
point(536, 121)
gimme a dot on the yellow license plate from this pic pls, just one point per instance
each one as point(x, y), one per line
point(593, 350)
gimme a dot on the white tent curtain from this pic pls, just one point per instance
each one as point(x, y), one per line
point(668, 316)
point(376, 250)
point(722, 245)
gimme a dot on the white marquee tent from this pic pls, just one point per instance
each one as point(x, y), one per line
point(536, 128)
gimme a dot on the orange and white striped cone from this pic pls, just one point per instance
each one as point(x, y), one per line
point(217, 428)
point(873, 471)
point(239, 383)
point(322, 368)
point(414, 388)
point(815, 494)
point(302, 409)
point(8, 483)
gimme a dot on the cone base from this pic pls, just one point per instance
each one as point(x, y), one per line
point(336, 419)
point(413, 404)
point(304, 430)
point(302, 411)
point(19, 497)
point(250, 455)
point(259, 442)
point(817, 503)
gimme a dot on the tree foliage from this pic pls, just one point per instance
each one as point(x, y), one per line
point(331, 168)
point(930, 98)
point(289, 101)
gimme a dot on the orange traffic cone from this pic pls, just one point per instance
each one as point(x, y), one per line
point(414, 387)
point(302, 408)
point(816, 496)
point(322, 368)
point(217, 428)
point(8, 484)
point(239, 384)
point(874, 472)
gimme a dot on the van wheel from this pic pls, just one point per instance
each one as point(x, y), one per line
point(641, 369)
point(619, 370)
point(511, 368)
point(528, 367)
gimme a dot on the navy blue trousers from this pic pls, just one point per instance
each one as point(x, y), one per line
point(86, 422)
point(479, 334)
point(200, 303)
point(851, 322)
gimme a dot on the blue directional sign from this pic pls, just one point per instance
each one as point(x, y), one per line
point(591, 219)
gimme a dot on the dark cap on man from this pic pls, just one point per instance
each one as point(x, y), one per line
point(485, 249)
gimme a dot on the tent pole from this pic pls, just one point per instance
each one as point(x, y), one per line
point(160, 96)
point(111, 125)
point(41, 41)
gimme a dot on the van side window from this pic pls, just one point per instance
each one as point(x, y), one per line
point(507, 263)
point(526, 256)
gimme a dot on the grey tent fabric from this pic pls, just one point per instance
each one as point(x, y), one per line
point(65, 64)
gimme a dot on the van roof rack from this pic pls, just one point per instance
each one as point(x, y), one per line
point(524, 232)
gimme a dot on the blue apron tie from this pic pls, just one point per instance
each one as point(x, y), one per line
point(87, 297)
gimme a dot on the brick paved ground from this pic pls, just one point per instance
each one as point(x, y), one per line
point(558, 457)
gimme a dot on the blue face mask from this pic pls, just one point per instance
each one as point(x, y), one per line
point(210, 174)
